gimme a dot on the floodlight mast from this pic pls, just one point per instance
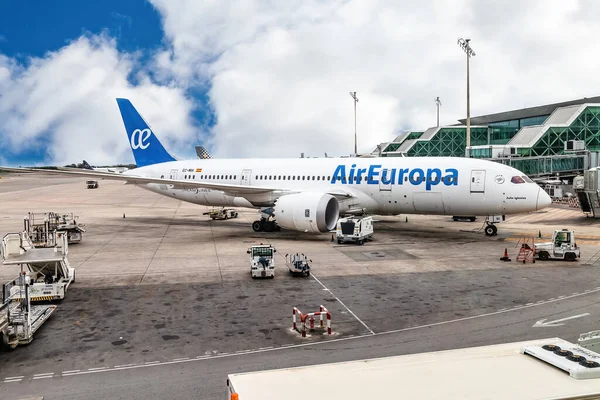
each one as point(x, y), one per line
point(353, 95)
point(464, 44)
point(438, 103)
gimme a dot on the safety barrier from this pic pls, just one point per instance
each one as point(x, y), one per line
point(324, 318)
point(572, 202)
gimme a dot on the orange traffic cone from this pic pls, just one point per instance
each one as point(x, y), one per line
point(505, 257)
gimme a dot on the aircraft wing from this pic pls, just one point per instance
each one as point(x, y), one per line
point(228, 188)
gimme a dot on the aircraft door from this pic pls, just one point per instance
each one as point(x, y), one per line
point(246, 173)
point(173, 174)
point(385, 187)
point(478, 181)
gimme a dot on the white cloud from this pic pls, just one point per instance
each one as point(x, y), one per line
point(67, 99)
point(280, 72)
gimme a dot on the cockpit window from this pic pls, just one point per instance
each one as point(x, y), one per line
point(517, 179)
point(527, 179)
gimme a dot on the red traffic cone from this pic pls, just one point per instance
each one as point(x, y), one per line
point(505, 257)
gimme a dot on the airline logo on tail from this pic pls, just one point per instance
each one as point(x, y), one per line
point(146, 147)
point(139, 139)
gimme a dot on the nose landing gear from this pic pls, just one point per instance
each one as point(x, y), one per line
point(490, 227)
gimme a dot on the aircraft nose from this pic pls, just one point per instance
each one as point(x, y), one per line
point(543, 200)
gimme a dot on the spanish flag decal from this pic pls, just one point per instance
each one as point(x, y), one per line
point(198, 169)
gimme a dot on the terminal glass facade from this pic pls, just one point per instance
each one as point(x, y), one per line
point(449, 141)
point(546, 156)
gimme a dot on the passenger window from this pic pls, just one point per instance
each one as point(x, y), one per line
point(313, 178)
point(279, 178)
point(193, 176)
point(270, 177)
point(235, 177)
point(294, 177)
point(517, 179)
point(526, 179)
point(304, 178)
point(318, 178)
point(328, 178)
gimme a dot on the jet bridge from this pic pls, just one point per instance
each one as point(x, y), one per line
point(46, 270)
point(587, 188)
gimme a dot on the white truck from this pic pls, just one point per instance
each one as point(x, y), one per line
point(298, 264)
point(46, 270)
point(262, 261)
point(536, 369)
point(354, 229)
point(562, 247)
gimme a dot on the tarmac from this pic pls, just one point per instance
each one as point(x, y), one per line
point(164, 305)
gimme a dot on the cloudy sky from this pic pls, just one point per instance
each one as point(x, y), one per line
point(271, 78)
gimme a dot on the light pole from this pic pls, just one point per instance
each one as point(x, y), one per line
point(438, 103)
point(353, 95)
point(464, 44)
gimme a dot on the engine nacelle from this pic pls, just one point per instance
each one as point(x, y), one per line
point(307, 212)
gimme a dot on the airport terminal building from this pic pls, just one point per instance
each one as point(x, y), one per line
point(560, 139)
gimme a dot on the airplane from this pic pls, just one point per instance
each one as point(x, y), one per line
point(114, 170)
point(310, 194)
point(202, 153)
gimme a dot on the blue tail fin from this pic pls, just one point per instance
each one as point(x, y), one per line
point(147, 150)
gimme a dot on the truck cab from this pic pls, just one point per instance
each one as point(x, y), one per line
point(262, 261)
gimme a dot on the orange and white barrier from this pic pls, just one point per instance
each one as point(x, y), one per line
point(323, 314)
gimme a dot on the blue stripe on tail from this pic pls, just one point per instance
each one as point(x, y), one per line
point(146, 148)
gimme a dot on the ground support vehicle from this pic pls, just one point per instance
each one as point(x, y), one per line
point(562, 247)
point(534, 369)
point(354, 229)
point(298, 264)
point(460, 217)
point(92, 184)
point(41, 227)
point(262, 261)
point(222, 213)
point(47, 270)
point(19, 319)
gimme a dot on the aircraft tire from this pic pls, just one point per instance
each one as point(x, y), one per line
point(257, 226)
point(491, 230)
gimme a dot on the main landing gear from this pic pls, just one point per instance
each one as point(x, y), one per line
point(266, 225)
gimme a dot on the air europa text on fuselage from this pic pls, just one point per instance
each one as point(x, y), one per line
point(374, 175)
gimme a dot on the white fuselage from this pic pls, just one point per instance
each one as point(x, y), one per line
point(406, 185)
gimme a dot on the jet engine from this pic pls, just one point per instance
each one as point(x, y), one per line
point(307, 212)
